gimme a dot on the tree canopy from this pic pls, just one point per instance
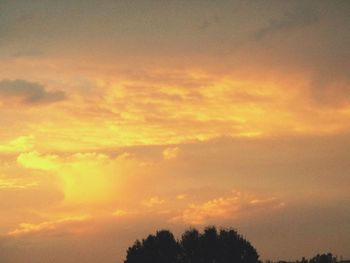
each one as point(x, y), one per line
point(211, 246)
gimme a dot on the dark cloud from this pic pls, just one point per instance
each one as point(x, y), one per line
point(299, 17)
point(28, 92)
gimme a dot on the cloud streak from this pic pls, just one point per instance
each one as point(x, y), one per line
point(28, 93)
point(47, 227)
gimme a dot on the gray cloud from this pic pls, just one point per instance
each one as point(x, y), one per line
point(299, 17)
point(28, 92)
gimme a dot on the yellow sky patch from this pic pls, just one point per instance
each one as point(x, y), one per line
point(17, 145)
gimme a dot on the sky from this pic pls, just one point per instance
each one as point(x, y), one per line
point(119, 118)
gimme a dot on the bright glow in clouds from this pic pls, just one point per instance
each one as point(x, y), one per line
point(89, 177)
point(118, 118)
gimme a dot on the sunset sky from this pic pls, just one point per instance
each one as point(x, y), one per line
point(118, 118)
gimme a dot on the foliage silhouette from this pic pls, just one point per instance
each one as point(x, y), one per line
point(323, 258)
point(319, 258)
point(210, 246)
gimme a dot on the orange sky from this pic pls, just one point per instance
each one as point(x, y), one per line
point(122, 117)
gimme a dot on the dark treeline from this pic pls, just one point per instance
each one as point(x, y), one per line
point(211, 246)
point(319, 258)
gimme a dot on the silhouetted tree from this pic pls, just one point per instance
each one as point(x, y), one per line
point(190, 245)
point(154, 249)
point(323, 258)
point(227, 246)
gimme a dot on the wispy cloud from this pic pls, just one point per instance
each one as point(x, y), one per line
point(15, 183)
point(153, 201)
point(49, 226)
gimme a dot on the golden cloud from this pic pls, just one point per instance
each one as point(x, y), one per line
point(49, 226)
point(171, 153)
point(225, 208)
point(153, 201)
